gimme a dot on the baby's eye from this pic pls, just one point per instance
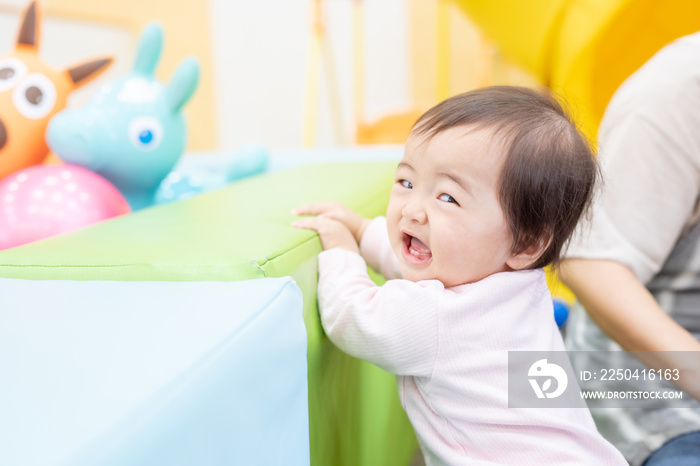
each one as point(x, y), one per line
point(406, 184)
point(448, 198)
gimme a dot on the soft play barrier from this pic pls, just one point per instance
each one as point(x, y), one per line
point(583, 49)
point(174, 334)
point(152, 373)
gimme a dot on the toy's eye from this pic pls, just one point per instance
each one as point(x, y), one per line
point(11, 71)
point(146, 136)
point(35, 96)
point(145, 133)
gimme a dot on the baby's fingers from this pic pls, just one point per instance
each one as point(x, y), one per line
point(333, 233)
point(315, 208)
point(311, 223)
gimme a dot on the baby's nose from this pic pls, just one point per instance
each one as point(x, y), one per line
point(415, 213)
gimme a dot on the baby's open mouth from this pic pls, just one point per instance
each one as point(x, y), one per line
point(415, 251)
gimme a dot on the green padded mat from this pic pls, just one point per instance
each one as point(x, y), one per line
point(243, 232)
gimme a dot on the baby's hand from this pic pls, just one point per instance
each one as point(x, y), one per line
point(334, 234)
point(354, 222)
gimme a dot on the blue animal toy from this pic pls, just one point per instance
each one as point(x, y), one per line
point(133, 131)
point(197, 174)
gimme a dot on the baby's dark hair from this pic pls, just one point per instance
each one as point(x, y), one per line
point(549, 172)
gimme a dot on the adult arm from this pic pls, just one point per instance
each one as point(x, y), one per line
point(627, 312)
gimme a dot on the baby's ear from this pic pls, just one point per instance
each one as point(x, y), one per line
point(530, 255)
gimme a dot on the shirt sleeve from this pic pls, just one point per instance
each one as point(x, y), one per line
point(394, 326)
point(648, 196)
point(376, 249)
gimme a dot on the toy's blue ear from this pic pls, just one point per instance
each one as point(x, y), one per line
point(183, 84)
point(150, 46)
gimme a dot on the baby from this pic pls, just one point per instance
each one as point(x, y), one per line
point(489, 189)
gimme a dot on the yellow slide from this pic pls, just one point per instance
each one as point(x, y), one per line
point(583, 49)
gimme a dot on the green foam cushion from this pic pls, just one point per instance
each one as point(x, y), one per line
point(230, 234)
point(243, 232)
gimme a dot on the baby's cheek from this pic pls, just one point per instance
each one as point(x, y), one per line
point(395, 247)
point(392, 213)
point(451, 239)
point(453, 258)
point(456, 252)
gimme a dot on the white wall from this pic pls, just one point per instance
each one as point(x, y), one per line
point(261, 52)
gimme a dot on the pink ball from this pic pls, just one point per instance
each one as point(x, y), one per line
point(46, 200)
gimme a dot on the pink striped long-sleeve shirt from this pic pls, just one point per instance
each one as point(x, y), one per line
point(449, 349)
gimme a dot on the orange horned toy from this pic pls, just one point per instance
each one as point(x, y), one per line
point(31, 92)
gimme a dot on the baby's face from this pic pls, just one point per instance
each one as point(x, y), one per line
point(445, 219)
